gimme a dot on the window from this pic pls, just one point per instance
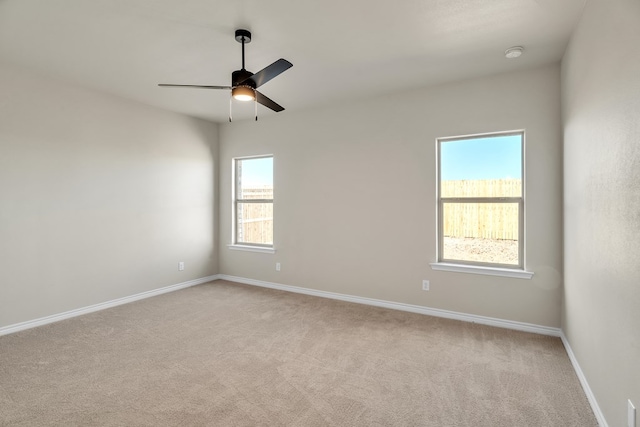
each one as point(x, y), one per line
point(481, 200)
point(253, 201)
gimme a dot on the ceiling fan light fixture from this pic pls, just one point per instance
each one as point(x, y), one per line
point(243, 93)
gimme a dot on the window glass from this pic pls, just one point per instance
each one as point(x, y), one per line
point(481, 203)
point(481, 232)
point(253, 204)
point(254, 178)
point(481, 167)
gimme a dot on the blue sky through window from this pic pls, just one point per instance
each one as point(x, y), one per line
point(257, 172)
point(481, 158)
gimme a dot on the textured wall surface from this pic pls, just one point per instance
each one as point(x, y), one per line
point(355, 195)
point(100, 197)
point(601, 111)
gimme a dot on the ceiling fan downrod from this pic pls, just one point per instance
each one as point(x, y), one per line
point(243, 36)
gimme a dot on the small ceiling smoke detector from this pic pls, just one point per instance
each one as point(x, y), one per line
point(513, 52)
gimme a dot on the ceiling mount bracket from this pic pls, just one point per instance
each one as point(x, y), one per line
point(243, 36)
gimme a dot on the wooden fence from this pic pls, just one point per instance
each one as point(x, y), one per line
point(255, 220)
point(481, 220)
point(482, 188)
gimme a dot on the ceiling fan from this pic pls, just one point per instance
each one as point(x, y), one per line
point(244, 84)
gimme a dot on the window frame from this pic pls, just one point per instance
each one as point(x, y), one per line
point(235, 201)
point(478, 266)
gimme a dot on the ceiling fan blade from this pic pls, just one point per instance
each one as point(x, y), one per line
point(195, 86)
point(269, 72)
point(268, 102)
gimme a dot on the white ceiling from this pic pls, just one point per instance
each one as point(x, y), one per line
point(340, 49)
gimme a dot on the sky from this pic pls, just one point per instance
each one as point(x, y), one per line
point(481, 158)
point(257, 172)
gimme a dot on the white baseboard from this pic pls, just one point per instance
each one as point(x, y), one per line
point(436, 312)
point(583, 381)
point(101, 306)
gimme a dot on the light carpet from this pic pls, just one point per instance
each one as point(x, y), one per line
point(224, 354)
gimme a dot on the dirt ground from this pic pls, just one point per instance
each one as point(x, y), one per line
point(481, 250)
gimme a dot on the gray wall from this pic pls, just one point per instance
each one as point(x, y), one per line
point(355, 195)
point(99, 197)
point(601, 114)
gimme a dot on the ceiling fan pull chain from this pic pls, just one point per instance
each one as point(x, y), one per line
point(255, 104)
point(230, 104)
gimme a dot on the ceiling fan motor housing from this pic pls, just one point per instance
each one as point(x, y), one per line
point(239, 78)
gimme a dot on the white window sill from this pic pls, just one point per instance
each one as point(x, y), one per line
point(474, 269)
point(248, 248)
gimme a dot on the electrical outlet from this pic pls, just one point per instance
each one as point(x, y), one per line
point(631, 414)
point(180, 266)
point(425, 285)
point(277, 266)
